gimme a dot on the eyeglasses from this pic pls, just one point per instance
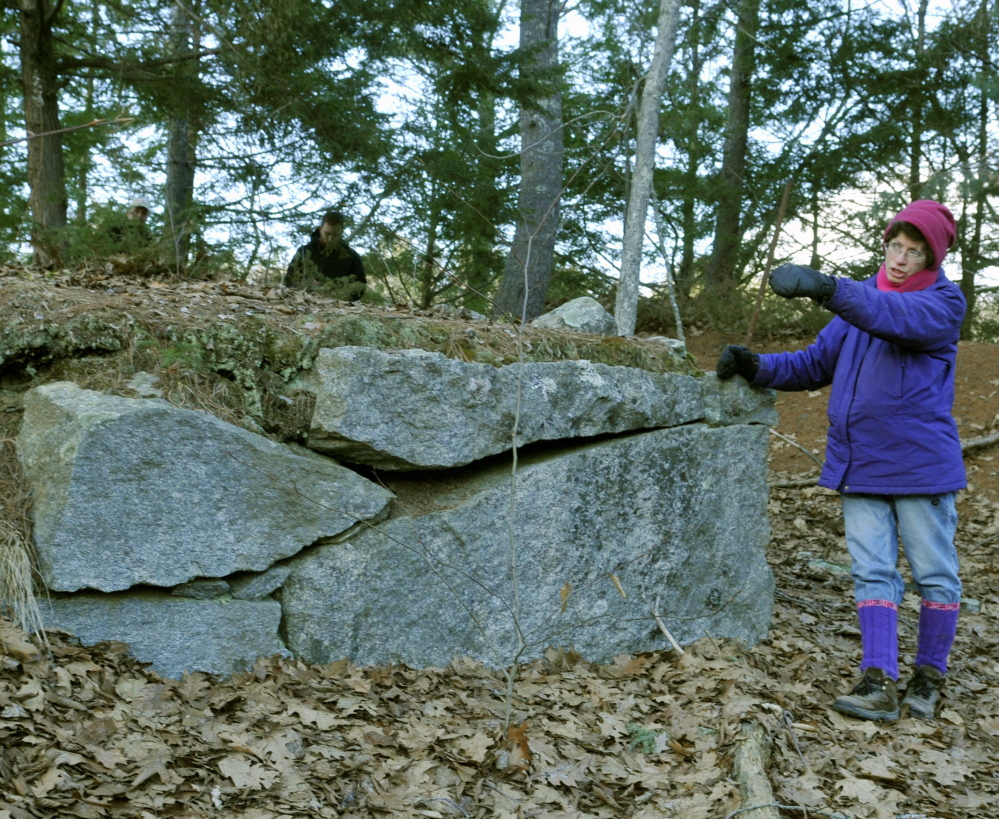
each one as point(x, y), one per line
point(913, 256)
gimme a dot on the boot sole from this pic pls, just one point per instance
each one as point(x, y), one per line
point(864, 713)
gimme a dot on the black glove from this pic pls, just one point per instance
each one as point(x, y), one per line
point(794, 280)
point(736, 360)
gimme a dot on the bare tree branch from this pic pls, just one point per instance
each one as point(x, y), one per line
point(96, 123)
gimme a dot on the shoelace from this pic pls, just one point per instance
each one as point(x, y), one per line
point(922, 686)
point(868, 686)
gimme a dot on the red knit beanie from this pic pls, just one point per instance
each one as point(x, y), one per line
point(934, 221)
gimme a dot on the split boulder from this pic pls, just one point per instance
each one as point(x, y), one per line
point(413, 409)
point(595, 538)
point(132, 491)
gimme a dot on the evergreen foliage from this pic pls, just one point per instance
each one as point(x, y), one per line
point(405, 115)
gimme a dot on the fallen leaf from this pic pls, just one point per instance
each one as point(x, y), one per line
point(520, 751)
point(246, 774)
point(564, 593)
point(863, 790)
point(475, 747)
point(877, 767)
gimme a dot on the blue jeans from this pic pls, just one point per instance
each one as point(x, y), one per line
point(926, 525)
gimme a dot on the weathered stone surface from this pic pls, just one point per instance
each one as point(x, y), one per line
point(131, 491)
point(582, 315)
point(175, 634)
point(417, 410)
point(677, 516)
point(735, 402)
point(259, 586)
point(202, 589)
point(674, 345)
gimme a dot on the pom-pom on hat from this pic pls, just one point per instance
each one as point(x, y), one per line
point(934, 221)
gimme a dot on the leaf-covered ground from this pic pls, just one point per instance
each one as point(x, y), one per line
point(88, 732)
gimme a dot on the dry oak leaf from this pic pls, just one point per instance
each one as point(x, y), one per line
point(246, 774)
point(973, 801)
point(155, 766)
point(14, 642)
point(8, 811)
point(944, 770)
point(566, 774)
point(474, 748)
point(951, 715)
point(804, 790)
point(613, 725)
point(875, 801)
point(990, 725)
point(378, 739)
point(48, 781)
point(624, 666)
point(519, 750)
point(877, 767)
point(323, 720)
point(863, 790)
point(32, 695)
point(130, 688)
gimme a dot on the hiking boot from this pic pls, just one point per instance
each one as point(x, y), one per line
point(923, 692)
point(874, 697)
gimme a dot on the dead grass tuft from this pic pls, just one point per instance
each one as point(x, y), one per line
point(17, 562)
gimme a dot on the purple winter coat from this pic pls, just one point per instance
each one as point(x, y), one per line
point(890, 358)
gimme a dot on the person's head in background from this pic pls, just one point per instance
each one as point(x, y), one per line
point(331, 230)
point(138, 209)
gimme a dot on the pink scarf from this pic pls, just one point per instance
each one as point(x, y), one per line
point(917, 281)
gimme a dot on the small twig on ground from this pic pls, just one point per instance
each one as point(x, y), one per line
point(801, 483)
point(797, 446)
point(449, 802)
point(787, 723)
point(662, 626)
point(979, 443)
point(513, 799)
point(978, 546)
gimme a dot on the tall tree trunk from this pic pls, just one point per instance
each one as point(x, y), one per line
point(626, 302)
point(81, 179)
point(528, 268)
point(46, 172)
point(428, 264)
point(729, 227)
point(688, 207)
point(483, 261)
point(919, 92)
point(181, 152)
point(972, 258)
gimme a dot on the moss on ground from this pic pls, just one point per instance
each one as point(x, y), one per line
point(237, 351)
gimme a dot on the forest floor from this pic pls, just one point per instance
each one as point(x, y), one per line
point(89, 732)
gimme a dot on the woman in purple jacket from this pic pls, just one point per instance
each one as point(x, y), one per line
point(893, 450)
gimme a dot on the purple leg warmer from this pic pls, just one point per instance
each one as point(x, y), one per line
point(937, 627)
point(879, 636)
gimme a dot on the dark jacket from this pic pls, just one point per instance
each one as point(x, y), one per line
point(336, 269)
point(128, 235)
point(890, 358)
